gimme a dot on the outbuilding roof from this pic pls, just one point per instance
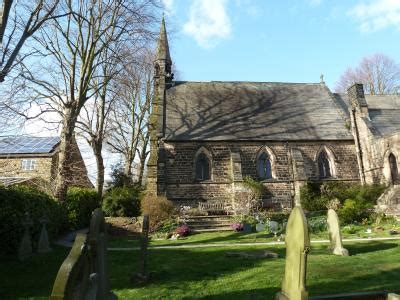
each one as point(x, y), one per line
point(19, 145)
point(210, 111)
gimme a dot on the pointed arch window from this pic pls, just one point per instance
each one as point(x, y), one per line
point(324, 165)
point(264, 169)
point(203, 167)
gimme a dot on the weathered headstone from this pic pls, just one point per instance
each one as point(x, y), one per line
point(98, 253)
point(335, 236)
point(83, 274)
point(274, 227)
point(43, 245)
point(72, 281)
point(142, 277)
point(25, 247)
point(297, 246)
point(260, 227)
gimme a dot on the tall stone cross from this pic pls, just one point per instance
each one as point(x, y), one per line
point(297, 246)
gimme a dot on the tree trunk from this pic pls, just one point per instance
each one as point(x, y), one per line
point(64, 157)
point(100, 168)
point(143, 157)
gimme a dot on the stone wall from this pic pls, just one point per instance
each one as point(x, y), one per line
point(228, 158)
point(46, 168)
point(12, 167)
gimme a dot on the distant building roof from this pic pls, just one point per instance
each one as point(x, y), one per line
point(216, 110)
point(28, 145)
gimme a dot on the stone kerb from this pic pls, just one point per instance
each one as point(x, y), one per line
point(297, 246)
point(335, 235)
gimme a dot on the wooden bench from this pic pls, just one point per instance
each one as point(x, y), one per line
point(212, 206)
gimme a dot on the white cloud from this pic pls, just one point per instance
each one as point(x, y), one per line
point(377, 14)
point(208, 22)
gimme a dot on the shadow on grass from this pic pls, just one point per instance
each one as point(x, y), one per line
point(375, 281)
point(32, 278)
point(361, 248)
point(173, 267)
point(263, 293)
point(209, 274)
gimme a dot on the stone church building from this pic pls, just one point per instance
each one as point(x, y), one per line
point(208, 136)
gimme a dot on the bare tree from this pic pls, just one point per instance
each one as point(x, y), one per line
point(94, 123)
point(19, 22)
point(71, 72)
point(130, 115)
point(379, 73)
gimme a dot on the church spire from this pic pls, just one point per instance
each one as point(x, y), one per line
point(162, 45)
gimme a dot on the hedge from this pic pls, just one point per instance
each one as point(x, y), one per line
point(14, 203)
point(80, 204)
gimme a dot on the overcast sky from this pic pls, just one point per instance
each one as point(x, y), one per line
point(284, 41)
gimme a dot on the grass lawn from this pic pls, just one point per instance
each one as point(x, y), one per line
point(33, 278)
point(207, 273)
point(237, 237)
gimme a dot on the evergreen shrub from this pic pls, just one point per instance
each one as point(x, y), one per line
point(122, 202)
point(80, 204)
point(14, 203)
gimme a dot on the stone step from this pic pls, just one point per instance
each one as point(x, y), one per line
point(213, 229)
point(210, 217)
point(208, 225)
point(209, 221)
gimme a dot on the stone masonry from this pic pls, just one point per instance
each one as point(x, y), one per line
point(206, 137)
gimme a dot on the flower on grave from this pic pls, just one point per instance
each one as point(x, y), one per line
point(183, 230)
point(237, 226)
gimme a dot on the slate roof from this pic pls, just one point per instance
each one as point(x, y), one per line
point(28, 145)
point(383, 112)
point(211, 111)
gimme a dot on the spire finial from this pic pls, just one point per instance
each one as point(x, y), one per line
point(322, 79)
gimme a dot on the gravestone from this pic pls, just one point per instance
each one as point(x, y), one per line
point(274, 227)
point(25, 247)
point(83, 274)
point(43, 245)
point(142, 277)
point(260, 227)
point(297, 246)
point(335, 236)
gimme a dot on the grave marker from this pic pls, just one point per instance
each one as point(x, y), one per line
point(142, 277)
point(335, 236)
point(25, 247)
point(83, 274)
point(43, 245)
point(297, 246)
